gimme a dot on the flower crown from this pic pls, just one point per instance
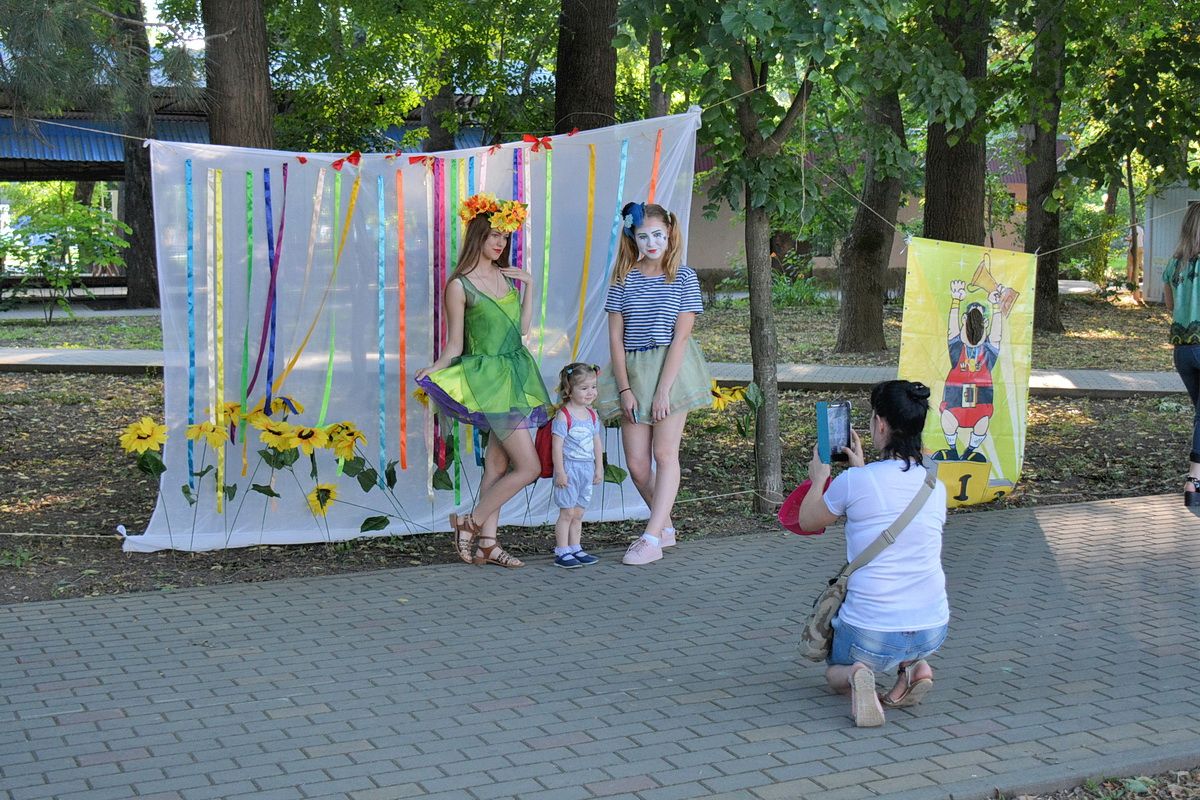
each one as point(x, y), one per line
point(504, 215)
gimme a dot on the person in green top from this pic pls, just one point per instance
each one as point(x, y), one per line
point(485, 376)
point(1181, 282)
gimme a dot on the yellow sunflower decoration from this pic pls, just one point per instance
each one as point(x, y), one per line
point(308, 438)
point(276, 434)
point(342, 437)
point(143, 435)
point(207, 431)
point(320, 498)
point(722, 396)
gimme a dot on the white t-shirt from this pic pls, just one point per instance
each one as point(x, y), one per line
point(903, 588)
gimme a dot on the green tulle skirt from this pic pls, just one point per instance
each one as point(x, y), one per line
point(692, 388)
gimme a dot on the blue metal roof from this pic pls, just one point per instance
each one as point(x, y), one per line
point(57, 143)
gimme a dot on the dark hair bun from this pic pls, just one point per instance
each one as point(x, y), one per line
point(918, 391)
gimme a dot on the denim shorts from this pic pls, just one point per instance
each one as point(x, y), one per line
point(882, 651)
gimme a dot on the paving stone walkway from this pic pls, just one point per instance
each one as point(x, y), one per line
point(1071, 655)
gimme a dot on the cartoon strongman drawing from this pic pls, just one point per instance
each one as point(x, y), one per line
point(974, 344)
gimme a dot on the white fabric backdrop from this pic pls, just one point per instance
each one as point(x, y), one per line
point(351, 311)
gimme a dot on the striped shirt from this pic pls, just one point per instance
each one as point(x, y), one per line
point(650, 306)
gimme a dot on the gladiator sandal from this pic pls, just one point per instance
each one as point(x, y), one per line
point(494, 554)
point(465, 534)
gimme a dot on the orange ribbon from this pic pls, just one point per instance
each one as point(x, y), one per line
point(654, 167)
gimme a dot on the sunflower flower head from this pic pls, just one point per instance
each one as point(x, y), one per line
point(143, 435)
point(342, 438)
point(308, 438)
point(320, 498)
point(421, 397)
point(723, 396)
point(280, 404)
point(476, 204)
point(276, 434)
point(207, 430)
point(510, 216)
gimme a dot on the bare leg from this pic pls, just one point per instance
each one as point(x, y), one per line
point(838, 676)
point(666, 438)
point(495, 465)
point(524, 467)
point(638, 442)
point(576, 534)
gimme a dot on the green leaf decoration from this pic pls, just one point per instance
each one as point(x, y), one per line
point(754, 397)
point(263, 488)
point(368, 479)
point(289, 457)
point(389, 475)
point(353, 466)
point(204, 471)
point(614, 474)
point(188, 494)
point(230, 491)
point(441, 480)
point(373, 524)
point(271, 458)
point(151, 463)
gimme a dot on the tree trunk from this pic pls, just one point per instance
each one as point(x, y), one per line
point(1132, 268)
point(238, 88)
point(954, 173)
point(433, 113)
point(764, 350)
point(868, 247)
point(585, 93)
point(84, 192)
point(1041, 151)
point(659, 105)
point(137, 210)
point(1110, 197)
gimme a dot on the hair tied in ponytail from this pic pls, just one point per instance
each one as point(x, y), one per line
point(918, 391)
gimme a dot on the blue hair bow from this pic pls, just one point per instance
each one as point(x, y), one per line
point(632, 216)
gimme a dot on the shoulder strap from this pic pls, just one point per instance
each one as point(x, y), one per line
point(906, 516)
point(592, 411)
point(567, 414)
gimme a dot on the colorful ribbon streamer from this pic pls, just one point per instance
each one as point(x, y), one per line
point(401, 321)
point(381, 321)
point(654, 167)
point(245, 385)
point(518, 238)
point(617, 221)
point(189, 202)
point(545, 287)
point(587, 247)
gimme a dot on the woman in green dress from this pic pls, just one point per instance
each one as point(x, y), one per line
point(485, 376)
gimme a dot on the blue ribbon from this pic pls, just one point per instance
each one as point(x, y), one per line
point(191, 305)
point(478, 446)
point(470, 176)
point(380, 321)
point(271, 289)
point(617, 221)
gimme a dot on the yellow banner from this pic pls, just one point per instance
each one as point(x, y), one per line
point(968, 334)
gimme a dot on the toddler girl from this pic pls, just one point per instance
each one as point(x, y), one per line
point(578, 460)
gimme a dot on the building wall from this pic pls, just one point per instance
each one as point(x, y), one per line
point(1164, 215)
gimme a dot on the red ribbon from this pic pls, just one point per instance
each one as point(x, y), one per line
point(351, 159)
point(573, 131)
point(302, 159)
point(492, 150)
point(542, 142)
point(426, 160)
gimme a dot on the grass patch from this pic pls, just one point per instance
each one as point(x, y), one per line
point(1100, 334)
point(96, 333)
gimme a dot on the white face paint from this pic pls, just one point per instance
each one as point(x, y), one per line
point(651, 239)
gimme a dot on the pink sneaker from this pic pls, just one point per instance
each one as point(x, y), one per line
point(667, 537)
point(641, 552)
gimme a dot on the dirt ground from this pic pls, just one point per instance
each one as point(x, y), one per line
point(67, 485)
